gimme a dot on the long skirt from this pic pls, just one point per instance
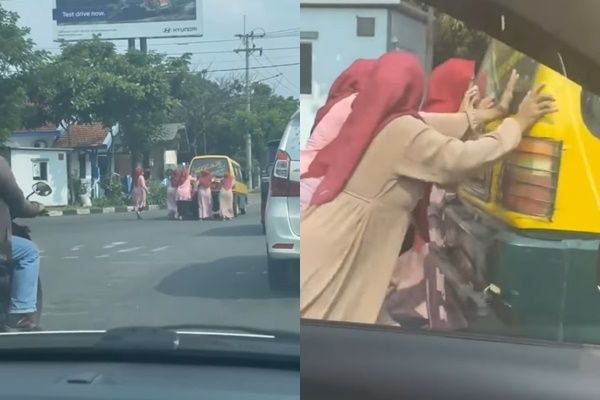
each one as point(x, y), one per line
point(205, 203)
point(172, 201)
point(139, 198)
point(226, 203)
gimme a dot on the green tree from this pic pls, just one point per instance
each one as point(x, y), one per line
point(17, 59)
point(90, 82)
point(452, 38)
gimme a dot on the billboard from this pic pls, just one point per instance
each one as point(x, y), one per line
point(124, 19)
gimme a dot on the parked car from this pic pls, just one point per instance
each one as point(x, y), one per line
point(269, 157)
point(282, 214)
point(218, 166)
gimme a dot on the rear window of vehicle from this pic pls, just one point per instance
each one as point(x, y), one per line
point(218, 167)
point(590, 111)
point(271, 152)
point(293, 142)
point(496, 69)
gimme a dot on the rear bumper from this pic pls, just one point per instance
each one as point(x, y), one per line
point(282, 242)
point(538, 288)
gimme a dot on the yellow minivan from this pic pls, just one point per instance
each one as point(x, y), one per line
point(524, 234)
point(218, 166)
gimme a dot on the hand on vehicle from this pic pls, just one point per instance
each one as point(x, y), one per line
point(534, 106)
point(486, 103)
point(470, 98)
point(508, 95)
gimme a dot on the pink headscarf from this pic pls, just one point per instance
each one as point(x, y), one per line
point(139, 171)
point(227, 182)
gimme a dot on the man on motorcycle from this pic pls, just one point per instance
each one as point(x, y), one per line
point(22, 253)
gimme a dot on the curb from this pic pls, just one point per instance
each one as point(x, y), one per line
point(123, 209)
point(97, 210)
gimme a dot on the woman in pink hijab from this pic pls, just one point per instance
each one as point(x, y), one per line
point(205, 206)
point(184, 190)
point(140, 191)
point(226, 197)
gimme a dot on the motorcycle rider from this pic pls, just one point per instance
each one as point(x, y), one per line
point(22, 253)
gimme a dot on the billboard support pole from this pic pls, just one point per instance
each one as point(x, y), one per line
point(144, 45)
point(247, 38)
point(131, 44)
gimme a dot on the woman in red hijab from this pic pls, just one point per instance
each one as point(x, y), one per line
point(205, 195)
point(374, 172)
point(448, 92)
point(172, 194)
point(226, 197)
point(140, 191)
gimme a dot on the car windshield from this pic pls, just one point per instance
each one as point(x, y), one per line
point(218, 167)
point(118, 106)
point(504, 245)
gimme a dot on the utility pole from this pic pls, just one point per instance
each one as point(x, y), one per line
point(248, 48)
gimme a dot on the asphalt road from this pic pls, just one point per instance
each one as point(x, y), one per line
point(111, 270)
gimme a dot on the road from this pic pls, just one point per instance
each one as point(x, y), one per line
point(110, 270)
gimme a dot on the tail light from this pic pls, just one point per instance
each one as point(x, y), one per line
point(281, 185)
point(529, 178)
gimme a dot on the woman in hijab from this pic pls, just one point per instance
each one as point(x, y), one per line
point(184, 190)
point(415, 294)
point(140, 191)
point(330, 118)
point(374, 172)
point(172, 193)
point(205, 205)
point(226, 197)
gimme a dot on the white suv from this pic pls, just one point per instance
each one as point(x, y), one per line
point(282, 214)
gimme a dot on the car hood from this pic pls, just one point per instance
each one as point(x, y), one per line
point(561, 34)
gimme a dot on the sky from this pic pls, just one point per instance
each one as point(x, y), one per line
point(279, 19)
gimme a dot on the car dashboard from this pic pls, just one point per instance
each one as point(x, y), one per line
point(25, 380)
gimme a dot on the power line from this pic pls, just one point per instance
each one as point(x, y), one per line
point(229, 51)
point(286, 87)
point(261, 67)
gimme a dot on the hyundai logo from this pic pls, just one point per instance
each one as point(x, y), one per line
point(167, 30)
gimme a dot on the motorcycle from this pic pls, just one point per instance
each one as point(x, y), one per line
point(6, 270)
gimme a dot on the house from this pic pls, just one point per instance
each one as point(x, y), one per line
point(171, 146)
point(334, 33)
point(33, 159)
point(90, 158)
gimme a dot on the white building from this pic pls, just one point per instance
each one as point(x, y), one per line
point(36, 164)
point(334, 33)
point(33, 159)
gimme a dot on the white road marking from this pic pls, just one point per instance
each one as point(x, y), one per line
point(241, 273)
point(71, 258)
point(103, 256)
point(130, 249)
point(77, 248)
point(160, 249)
point(114, 244)
point(127, 262)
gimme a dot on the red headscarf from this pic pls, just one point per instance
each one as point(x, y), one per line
point(351, 80)
point(139, 171)
point(205, 179)
point(176, 178)
point(394, 88)
point(447, 86)
point(227, 182)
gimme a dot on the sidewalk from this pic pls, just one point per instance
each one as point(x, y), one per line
point(253, 199)
point(95, 210)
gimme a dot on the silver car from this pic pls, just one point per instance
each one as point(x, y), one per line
point(282, 214)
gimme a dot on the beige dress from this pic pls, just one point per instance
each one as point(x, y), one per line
point(350, 245)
